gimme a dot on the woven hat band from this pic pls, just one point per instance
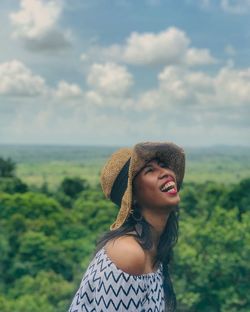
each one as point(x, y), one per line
point(120, 185)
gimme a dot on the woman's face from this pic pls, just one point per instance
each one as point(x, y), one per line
point(155, 186)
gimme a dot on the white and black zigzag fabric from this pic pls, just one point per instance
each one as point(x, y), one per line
point(106, 288)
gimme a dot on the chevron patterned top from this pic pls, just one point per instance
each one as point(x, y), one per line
point(106, 288)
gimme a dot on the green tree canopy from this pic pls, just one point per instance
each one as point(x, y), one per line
point(73, 186)
point(12, 185)
point(45, 248)
point(7, 167)
point(212, 262)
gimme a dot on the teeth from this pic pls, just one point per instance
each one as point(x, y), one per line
point(167, 185)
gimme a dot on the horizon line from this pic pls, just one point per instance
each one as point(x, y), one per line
point(114, 145)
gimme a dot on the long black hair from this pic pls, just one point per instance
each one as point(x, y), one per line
point(143, 236)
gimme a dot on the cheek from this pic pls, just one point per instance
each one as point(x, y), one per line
point(144, 189)
point(145, 194)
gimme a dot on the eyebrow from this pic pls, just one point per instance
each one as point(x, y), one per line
point(148, 165)
point(151, 162)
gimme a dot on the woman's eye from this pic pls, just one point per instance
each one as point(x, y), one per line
point(148, 169)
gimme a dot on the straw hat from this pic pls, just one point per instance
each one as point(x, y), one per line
point(118, 173)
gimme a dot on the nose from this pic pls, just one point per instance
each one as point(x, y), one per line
point(164, 172)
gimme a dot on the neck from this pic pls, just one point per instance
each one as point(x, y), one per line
point(158, 221)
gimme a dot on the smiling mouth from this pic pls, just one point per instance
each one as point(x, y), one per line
point(169, 187)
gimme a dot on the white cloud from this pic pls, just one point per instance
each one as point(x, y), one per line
point(66, 90)
point(109, 79)
point(35, 18)
point(233, 86)
point(150, 48)
point(178, 80)
point(85, 125)
point(51, 41)
point(174, 83)
point(187, 106)
point(236, 6)
point(95, 98)
point(17, 79)
point(180, 88)
point(171, 46)
point(36, 24)
point(199, 57)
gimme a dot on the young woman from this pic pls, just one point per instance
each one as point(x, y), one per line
point(130, 267)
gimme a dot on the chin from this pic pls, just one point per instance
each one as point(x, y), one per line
point(175, 200)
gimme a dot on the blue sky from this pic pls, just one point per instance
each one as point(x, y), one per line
point(119, 72)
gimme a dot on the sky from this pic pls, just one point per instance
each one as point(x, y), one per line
point(119, 72)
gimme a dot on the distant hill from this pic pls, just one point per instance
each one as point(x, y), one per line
point(41, 153)
point(39, 163)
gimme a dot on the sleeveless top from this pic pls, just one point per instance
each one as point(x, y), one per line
point(106, 288)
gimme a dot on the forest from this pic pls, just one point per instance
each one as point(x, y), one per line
point(48, 233)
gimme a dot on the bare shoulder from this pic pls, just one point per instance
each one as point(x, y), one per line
point(127, 255)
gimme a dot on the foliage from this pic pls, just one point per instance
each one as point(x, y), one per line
point(12, 185)
point(212, 262)
point(238, 196)
point(47, 291)
point(7, 167)
point(73, 186)
point(46, 247)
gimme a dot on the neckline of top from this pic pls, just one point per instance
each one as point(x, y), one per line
point(150, 274)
